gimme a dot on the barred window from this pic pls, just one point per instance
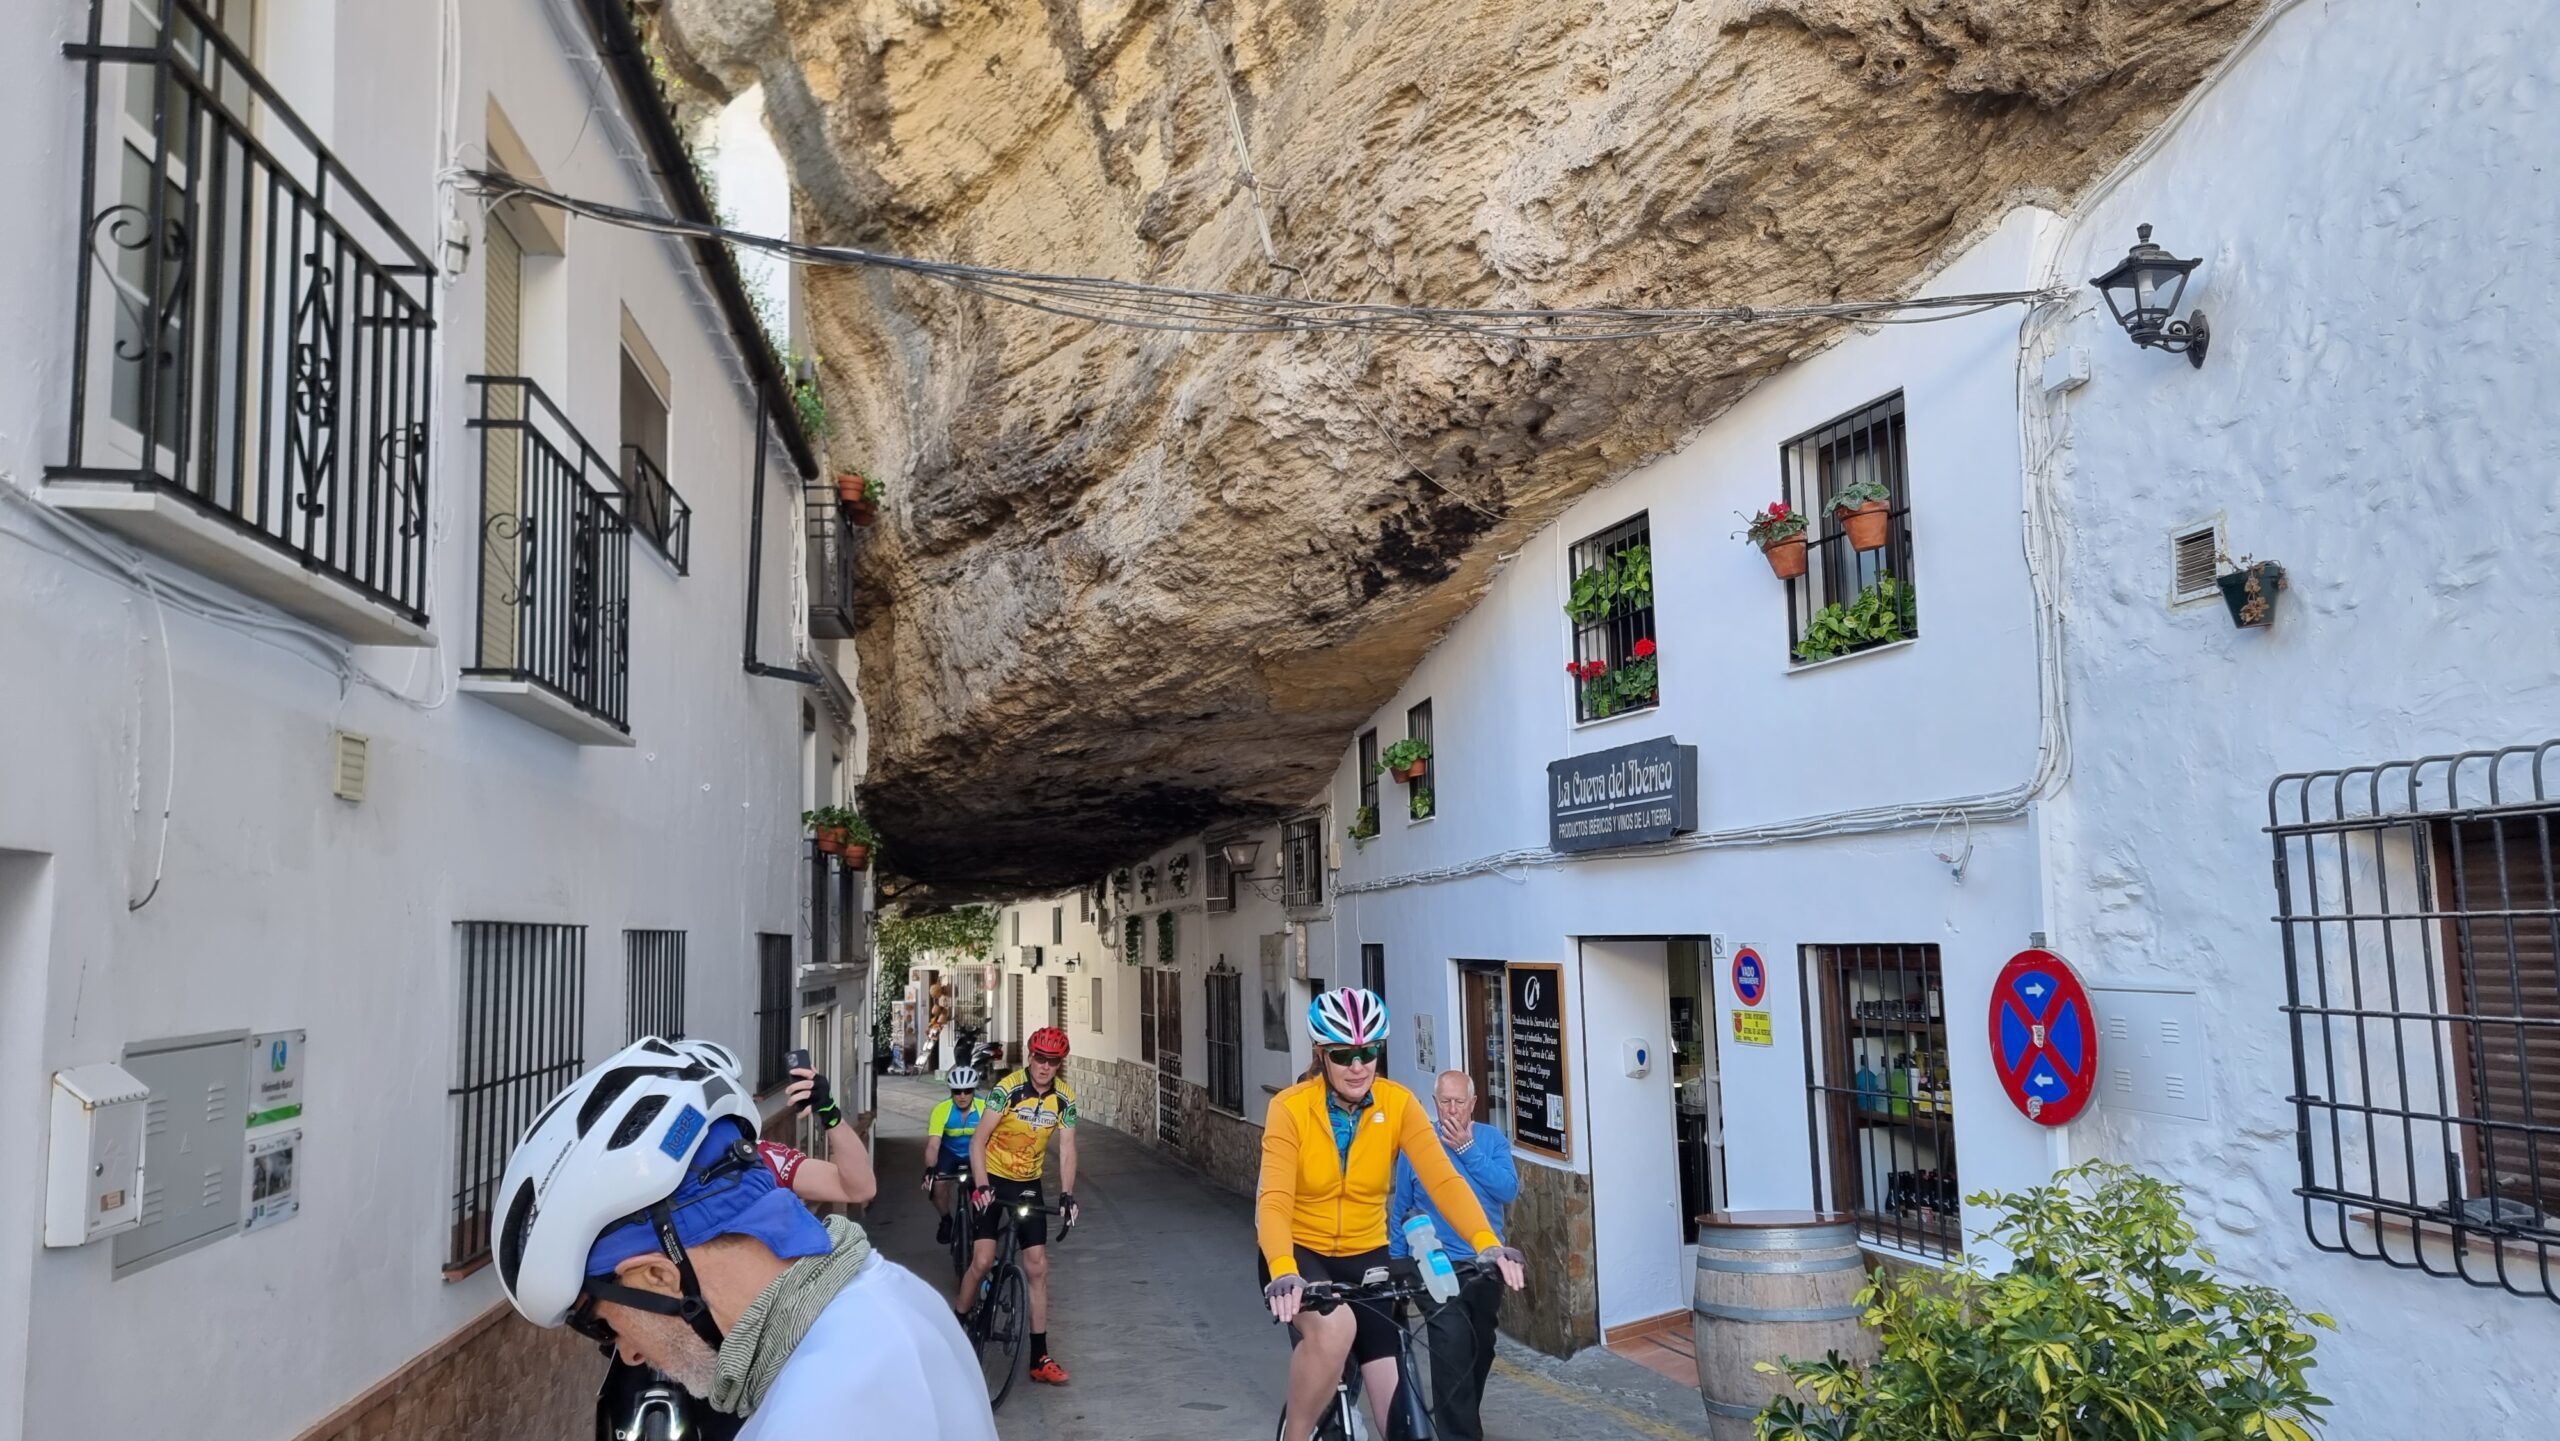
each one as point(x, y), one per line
point(1218, 887)
point(1876, 1086)
point(1850, 599)
point(2419, 903)
point(654, 997)
point(773, 1010)
point(1422, 800)
point(521, 1000)
point(1226, 1039)
point(1369, 773)
point(1609, 599)
point(1302, 852)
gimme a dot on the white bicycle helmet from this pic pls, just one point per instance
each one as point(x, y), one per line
point(1347, 1016)
point(715, 1055)
point(962, 1078)
point(616, 1143)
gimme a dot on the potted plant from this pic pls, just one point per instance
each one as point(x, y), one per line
point(1419, 805)
point(1408, 760)
point(1364, 824)
point(2250, 592)
point(1864, 510)
point(2108, 1322)
point(1625, 579)
point(1884, 611)
point(1779, 532)
point(860, 495)
point(842, 832)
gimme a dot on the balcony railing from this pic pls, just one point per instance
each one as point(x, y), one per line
point(830, 565)
point(555, 555)
point(253, 331)
point(657, 512)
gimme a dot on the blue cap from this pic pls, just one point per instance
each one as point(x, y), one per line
point(739, 1202)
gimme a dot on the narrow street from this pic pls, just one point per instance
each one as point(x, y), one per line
point(1155, 1313)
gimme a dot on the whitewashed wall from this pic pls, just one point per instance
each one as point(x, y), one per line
point(2372, 193)
point(282, 906)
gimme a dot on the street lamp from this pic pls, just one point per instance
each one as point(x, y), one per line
point(2143, 292)
point(1241, 854)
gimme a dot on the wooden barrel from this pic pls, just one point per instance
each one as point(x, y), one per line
point(1772, 1285)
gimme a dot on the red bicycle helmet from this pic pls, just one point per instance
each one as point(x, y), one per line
point(1047, 1044)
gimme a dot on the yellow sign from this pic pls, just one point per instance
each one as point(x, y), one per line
point(1751, 1028)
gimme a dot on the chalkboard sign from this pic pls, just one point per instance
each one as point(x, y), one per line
point(1541, 1113)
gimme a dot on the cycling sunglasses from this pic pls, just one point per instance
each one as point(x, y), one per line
point(1046, 1059)
point(1353, 1055)
point(584, 1320)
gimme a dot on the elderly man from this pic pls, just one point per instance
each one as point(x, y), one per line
point(1461, 1331)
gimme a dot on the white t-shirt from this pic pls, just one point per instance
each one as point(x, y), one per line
point(885, 1358)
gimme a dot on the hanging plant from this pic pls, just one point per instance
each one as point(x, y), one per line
point(1408, 760)
point(1147, 885)
point(1420, 805)
point(1178, 872)
point(1164, 938)
point(1620, 582)
point(1864, 510)
point(1120, 886)
point(2250, 592)
point(1779, 532)
point(1133, 941)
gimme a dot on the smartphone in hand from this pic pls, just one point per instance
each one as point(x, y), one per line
point(796, 1061)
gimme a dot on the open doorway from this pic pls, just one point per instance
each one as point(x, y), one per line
point(1696, 1091)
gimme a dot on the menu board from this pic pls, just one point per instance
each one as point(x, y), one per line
point(1541, 1113)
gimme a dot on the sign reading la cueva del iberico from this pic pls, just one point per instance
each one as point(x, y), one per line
point(1625, 796)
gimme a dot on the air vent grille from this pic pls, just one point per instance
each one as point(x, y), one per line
point(2193, 553)
point(351, 758)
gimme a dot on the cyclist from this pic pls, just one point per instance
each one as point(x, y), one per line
point(636, 1212)
point(1320, 1211)
point(1006, 1159)
point(947, 1134)
point(845, 1176)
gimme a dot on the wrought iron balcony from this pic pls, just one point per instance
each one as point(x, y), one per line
point(251, 368)
point(555, 569)
point(831, 534)
point(657, 512)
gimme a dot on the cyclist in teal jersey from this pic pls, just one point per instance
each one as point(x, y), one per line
point(947, 1134)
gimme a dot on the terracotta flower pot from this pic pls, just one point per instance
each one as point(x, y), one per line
point(864, 512)
point(1866, 525)
point(856, 856)
point(1786, 557)
point(831, 839)
point(1414, 772)
point(849, 487)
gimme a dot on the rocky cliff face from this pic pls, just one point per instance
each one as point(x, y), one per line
point(1128, 582)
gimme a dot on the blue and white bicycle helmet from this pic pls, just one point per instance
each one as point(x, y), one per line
point(1347, 1016)
point(961, 1078)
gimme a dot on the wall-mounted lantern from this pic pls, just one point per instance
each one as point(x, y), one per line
point(2143, 292)
point(1241, 854)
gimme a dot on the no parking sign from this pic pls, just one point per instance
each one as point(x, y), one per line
point(1750, 976)
point(2044, 1037)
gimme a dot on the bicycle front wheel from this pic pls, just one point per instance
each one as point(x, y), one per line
point(1004, 1333)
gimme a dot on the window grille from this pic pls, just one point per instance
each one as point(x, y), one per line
point(654, 1004)
point(1058, 1002)
point(1226, 1039)
point(1369, 771)
point(1614, 647)
point(1373, 978)
point(1147, 1016)
point(1866, 444)
point(1057, 925)
point(1882, 1113)
point(1302, 848)
point(1423, 800)
point(1219, 882)
point(522, 999)
point(773, 1010)
point(2419, 905)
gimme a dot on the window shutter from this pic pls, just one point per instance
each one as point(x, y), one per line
point(2509, 971)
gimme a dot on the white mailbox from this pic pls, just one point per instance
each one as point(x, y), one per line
point(93, 1172)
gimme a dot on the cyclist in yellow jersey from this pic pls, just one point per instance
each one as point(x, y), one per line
point(1329, 1149)
point(1006, 1160)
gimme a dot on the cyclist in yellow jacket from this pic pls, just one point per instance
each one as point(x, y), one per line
point(1329, 1149)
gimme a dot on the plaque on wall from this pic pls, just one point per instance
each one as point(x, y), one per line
point(1541, 1066)
point(1624, 796)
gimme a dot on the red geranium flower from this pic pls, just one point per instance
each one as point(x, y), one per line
point(1644, 648)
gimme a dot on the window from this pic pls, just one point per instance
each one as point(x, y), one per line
point(1058, 1002)
point(654, 998)
point(1218, 881)
point(1876, 1083)
point(1302, 853)
point(1422, 798)
point(1021, 1017)
point(1225, 1039)
point(1097, 1005)
point(1369, 773)
point(773, 1010)
point(1373, 977)
point(1147, 1016)
point(656, 511)
point(522, 1004)
point(2195, 559)
point(1084, 907)
point(1850, 599)
point(1057, 925)
point(2420, 912)
point(1016, 918)
point(1485, 1040)
point(1609, 599)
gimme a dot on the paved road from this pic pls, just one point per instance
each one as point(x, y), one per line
point(1154, 1310)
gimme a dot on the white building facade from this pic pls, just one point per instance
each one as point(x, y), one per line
point(380, 747)
point(2076, 747)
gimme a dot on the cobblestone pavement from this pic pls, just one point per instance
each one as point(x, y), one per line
point(1155, 1311)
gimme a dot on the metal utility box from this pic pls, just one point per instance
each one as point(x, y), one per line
point(195, 1124)
point(93, 1163)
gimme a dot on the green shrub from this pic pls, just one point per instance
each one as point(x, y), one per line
point(1884, 611)
point(2108, 1326)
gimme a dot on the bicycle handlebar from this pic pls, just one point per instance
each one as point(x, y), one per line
point(1403, 1282)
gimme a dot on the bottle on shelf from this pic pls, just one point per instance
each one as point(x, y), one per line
point(1867, 1087)
point(1897, 1084)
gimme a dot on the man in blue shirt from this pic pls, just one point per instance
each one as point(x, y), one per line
point(1461, 1332)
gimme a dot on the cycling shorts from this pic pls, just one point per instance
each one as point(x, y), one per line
point(952, 1162)
point(1375, 1336)
point(1029, 1231)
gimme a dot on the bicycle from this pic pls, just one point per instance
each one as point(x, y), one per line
point(999, 1325)
point(957, 1213)
point(1382, 1289)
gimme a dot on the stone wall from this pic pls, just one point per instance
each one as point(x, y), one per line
point(1118, 1094)
point(498, 1376)
point(1551, 1224)
point(1226, 1148)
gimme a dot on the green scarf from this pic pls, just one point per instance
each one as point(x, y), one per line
point(763, 1339)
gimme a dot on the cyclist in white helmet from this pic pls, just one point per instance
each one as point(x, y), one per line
point(948, 1134)
point(846, 1176)
point(635, 1211)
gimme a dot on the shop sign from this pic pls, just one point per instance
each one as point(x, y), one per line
point(2044, 1037)
point(1626, 796)
point(275, 1077)
point(1751, 1028)
point(1541, 1096)
point(1750, 977)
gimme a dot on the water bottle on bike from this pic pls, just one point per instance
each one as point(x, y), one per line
point(1439, 1277)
